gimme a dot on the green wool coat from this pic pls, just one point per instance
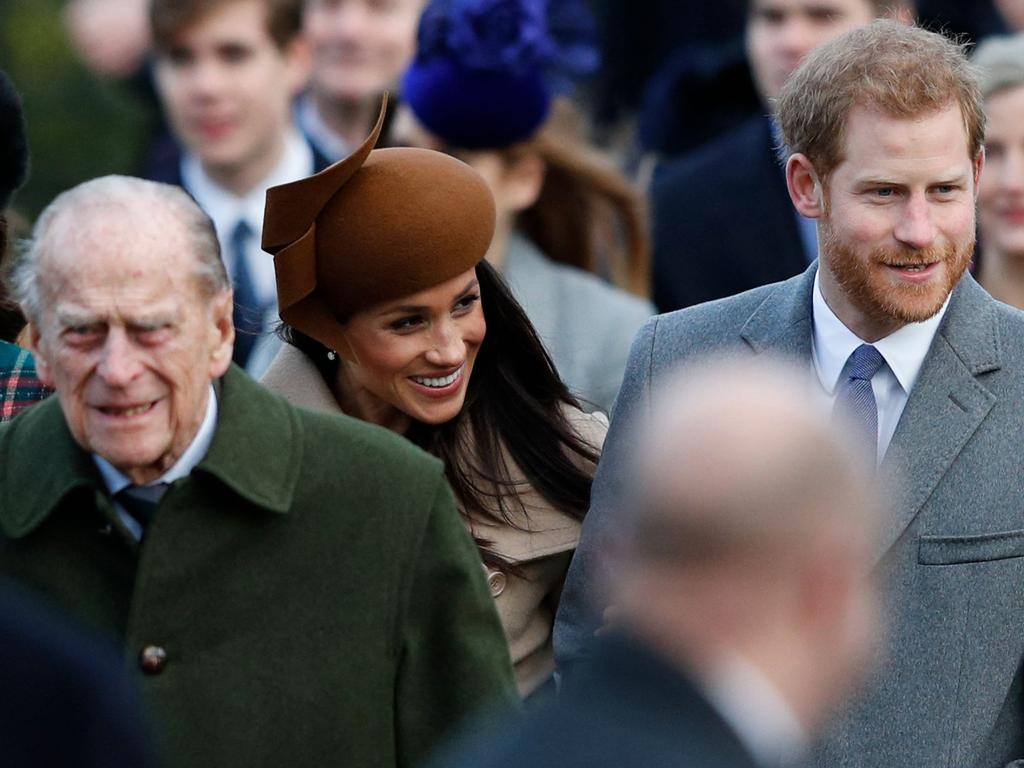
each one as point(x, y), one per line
point(318, 598)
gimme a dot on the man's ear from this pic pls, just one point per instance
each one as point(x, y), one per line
point(979, 166)
point(805, 189)
point(43, 369)
point(221, 333)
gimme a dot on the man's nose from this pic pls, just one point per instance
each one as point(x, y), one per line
point(208, 78)
point(797, 39)
point(916, 228)
point(119, 363)
point(350, 20)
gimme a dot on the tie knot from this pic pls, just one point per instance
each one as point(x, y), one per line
point(141, 501)
point(864, 363)
point(240, 234)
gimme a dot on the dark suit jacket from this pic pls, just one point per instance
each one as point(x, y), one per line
point(630, 709)
point(65, 700)
point(951, 691)
point(723, 221)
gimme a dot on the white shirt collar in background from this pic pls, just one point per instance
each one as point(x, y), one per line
point(226, 209)
point(755, 710)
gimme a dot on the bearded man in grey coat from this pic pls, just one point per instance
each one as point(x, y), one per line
point(884, 129)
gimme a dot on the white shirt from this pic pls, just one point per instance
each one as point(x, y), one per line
point(227, 209)
point(116, 481)
point(904, 352)
point(755, 710)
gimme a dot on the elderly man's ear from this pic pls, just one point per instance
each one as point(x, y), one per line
point(221, 340)
point(43, 370)
point(805, 188)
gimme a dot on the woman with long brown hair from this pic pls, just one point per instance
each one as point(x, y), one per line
point(392, 316)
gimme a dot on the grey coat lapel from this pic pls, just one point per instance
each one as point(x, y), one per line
point(781, 325)
point(946, 405)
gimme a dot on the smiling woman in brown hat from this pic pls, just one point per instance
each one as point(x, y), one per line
point(392, 316)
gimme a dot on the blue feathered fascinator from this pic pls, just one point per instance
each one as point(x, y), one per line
point(486, 70)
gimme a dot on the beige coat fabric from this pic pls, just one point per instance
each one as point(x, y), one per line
point(526, 600)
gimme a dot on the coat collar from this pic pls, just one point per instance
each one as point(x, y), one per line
point(782, 323)
point(256, 452)
point(293, 376)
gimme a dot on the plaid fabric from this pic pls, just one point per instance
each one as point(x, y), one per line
point(20, 388)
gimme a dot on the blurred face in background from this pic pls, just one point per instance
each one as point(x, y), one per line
point(1001, 190)
point(780, 33)
point(360, 47)
point(227, 88)
point(1012, 12)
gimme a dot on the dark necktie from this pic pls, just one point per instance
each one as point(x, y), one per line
point(141, 501)
point(248, 317)
point(856, 398)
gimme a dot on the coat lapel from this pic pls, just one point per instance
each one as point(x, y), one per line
point(945, 408)
point(782, 325)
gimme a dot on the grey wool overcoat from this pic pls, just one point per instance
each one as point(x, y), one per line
point(951, 692)
point(308, 595)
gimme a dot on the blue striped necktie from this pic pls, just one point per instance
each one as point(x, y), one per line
point(855, 396)
point(248, 317)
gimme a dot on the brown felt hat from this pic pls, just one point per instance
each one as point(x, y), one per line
point(374, 227)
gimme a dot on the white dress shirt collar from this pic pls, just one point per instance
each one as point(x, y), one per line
point(755, 710)
point(904, 350)
point(116, 481)
point(225, 207)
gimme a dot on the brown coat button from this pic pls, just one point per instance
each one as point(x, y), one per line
point(152, 659)
point(496, 581)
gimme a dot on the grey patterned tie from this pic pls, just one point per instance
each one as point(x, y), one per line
point(141, 501)
point(856, 398)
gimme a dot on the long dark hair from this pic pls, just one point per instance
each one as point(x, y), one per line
point(515, 406)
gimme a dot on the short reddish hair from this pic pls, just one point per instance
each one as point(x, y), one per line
point(896, 68)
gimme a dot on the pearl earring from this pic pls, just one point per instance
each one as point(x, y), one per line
point(332, 355)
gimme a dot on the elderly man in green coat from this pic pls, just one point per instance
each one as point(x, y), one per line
point(292, 589)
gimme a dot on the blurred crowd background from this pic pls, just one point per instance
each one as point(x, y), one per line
point(91, 109)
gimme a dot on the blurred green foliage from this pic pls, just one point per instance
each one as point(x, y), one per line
point(79, 126)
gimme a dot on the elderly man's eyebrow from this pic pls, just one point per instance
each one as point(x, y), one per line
point(150, 322)
point(71, 317)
